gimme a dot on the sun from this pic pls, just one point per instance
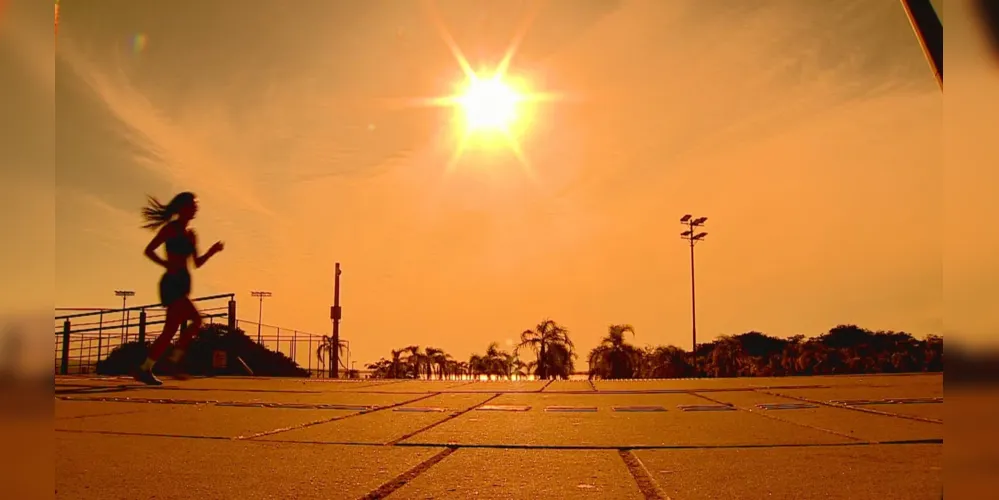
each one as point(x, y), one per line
point(489, 104)
point(491, 108)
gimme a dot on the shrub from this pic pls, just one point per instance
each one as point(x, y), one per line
point(236, 344)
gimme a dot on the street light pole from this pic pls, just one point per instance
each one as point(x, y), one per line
point(689, 235)
point(124, 294)
point(335, 315)
point(260, 309)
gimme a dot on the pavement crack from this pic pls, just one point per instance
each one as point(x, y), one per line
point(542, 389)
point(854, 408)
point(142, 434)
point(333, 419)
point(380, 384)
point(646, 483)
point(439, 422)
point(783, 420)
point(401, 480)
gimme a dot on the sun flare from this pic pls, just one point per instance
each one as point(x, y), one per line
point(491, 108)
point(489, 104)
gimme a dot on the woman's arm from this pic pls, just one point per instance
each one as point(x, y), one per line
point(157, 240)
point(200, 260)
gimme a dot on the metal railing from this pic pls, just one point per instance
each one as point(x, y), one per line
point(298, 345)
point(84, 338)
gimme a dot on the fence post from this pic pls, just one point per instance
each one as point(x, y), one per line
point(64, 365)
point(142, 327)
point(278, 349)
point(100, 334)
point(294, 346)
point(232, 314)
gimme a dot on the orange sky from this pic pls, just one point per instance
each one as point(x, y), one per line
point(808, 132)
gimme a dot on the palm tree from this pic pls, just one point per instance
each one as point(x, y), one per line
point(416, 360)
point(518, 367)
point(463, 368)
point(396, 363)
point(436, 358)
point(476, 365)
point(614, 357)
point(496, 361)
point(552, 347)
point(380, 369)
point(326, 348)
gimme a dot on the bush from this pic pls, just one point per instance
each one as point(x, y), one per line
point(263, 362)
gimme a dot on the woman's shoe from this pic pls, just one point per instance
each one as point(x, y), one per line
point(146, 377)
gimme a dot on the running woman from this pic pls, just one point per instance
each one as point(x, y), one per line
point(171, 222)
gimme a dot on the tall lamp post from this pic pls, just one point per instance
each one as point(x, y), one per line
point(693, 237)
point(335, 316)
point(124, 294)
point(260, 309)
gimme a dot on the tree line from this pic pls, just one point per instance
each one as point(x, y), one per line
point(844, 349)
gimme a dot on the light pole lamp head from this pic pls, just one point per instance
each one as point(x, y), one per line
point(686, 233)
point(700, 236)
point(699, 221)
point(685, 218)
point(124, 293)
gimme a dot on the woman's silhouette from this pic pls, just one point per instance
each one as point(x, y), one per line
point(170, 222)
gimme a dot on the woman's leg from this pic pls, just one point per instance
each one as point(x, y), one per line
point(174, 316)
point(193, 317)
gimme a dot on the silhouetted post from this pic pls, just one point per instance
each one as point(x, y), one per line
point(124, 294)
point(231, 320)
point(64, 365)
point(260, 311)
point(689, 235)
point(142, 327)
point(310, 356)
point(100, 333)
point(335, 316)
point(929, 30)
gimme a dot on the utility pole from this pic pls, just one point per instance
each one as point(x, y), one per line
point(124, 294)
point(335, 315)
point(929, 30)
point(693, 238)
point(260, 310)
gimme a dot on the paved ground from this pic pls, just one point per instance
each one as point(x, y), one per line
point(828, 437)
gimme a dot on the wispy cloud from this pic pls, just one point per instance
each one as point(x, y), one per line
point(163, 146)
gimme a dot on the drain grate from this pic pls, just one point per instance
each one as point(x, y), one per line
point(638, 409)
point(786, 406)
point(420, 409)
point(503, 408)
point(705, 408)
point(572, 409)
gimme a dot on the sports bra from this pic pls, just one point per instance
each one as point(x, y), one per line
point(180, 244)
